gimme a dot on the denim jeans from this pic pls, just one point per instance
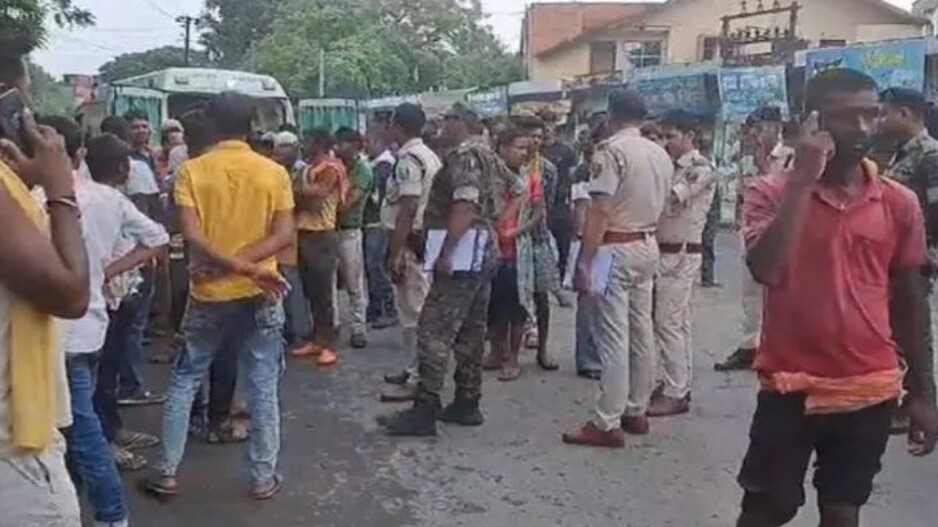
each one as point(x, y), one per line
point(253, 326)
point(133, 315)
point(105, 394)
point(221, 385)
point(587, 358)
point(380, 290)
point(89, 457)
point(299, 326)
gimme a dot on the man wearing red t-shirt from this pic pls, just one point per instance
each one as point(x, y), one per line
point(831, 241)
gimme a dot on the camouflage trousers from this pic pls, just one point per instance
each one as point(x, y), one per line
point(454, 317)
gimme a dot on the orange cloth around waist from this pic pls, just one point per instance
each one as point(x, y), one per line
point(830, 396)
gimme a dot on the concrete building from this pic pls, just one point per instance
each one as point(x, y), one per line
point(575, 39)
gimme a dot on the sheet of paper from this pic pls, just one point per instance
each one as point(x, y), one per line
point(602, 267)
point(469, 254)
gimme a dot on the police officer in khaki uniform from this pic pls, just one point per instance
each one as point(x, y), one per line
point(680, 233)
point(629, 187)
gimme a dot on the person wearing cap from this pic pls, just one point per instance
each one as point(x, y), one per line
point(680, 234)
point(915, 165)
point(763, 152)
point(472, 192)
point(630, 186)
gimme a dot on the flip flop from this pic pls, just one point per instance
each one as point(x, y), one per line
point(161, 488)
point(127, 461)
point(492, 363)
point(265, 492)
point(138, 441)
point(547, 364)
point(510, 374)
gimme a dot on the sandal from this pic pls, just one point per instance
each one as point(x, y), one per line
point(509, 374)
point(127, 461)
point(229, 433)
point(492, 363)
point(162, 487)
point(546, 363)
point(265, 491)
point(137, 441)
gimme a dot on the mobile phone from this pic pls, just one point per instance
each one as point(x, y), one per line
point(12, 106)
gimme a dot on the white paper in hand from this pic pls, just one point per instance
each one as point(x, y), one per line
point(468, 255)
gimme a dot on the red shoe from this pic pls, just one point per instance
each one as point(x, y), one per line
point(327, 357)
point(306, 350)
point(636, 425)
point(589, 435)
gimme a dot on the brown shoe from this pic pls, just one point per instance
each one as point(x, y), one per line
point(590, 435)
point(400, 394)
point(664, 406)
point(636, 425)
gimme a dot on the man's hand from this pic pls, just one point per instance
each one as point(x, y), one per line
point(397, 267)
point(583, 279)
point(923, 432)
point(49, 167)
point(815, 148)
point(444, 266)
point(272, 282)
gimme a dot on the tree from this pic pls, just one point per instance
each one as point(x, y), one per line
point(50, 96)
point(133, 64)
point(22, 22)
point(230, 27)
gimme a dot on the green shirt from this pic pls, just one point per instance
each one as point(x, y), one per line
point(362, 181)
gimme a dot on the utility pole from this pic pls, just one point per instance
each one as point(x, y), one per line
point(322, 73)
point(186, 23)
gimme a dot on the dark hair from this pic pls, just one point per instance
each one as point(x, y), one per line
point(136, 115)
point(68, 129)
point(410, 118)
point(836, 80)
point(320, 137)
point(348, 135)
point(912, 100)
point(771, 114)
point(116, 125)
point(509, 136)
point(199, 132)
point(107, 155)
point(681, 120)
point(628, 105)
point(231, 114)
point(530, 123)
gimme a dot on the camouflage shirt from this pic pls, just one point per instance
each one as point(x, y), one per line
point(472, 172)
point(915, 165)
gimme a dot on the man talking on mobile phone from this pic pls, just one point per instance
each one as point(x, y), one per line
point(832, 241)
point(43, 274)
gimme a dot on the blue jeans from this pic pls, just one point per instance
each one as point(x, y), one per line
point(133, 316)
point(587, 358)
point(380, 290)
point(298, 329)
point(254, 326)
point(89, 457)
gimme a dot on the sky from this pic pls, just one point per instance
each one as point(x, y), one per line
point(125, 26)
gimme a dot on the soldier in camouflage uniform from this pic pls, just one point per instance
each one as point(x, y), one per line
point(472, 191)
point(915, 165)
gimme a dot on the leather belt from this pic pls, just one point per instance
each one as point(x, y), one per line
point(677, 248)
point(615, 238)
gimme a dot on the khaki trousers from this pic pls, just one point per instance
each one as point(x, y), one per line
point(674, 321)
point(410, 297)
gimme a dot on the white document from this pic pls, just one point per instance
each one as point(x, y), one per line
point(602, 267)
point(469, 254)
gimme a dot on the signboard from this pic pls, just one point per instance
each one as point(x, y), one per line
point(489, 103)
point(892, 64)
point(744, 90)
point(693, 92)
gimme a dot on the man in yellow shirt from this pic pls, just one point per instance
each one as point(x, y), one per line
point(236, 212)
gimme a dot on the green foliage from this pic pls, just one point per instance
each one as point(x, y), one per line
point(230, 27)
point(133, 64)
point(22, 22)
point(50, 96)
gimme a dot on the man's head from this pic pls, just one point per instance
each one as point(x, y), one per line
point(679, 132)
point(376, 140)
point(72, 133)
point(651, 131)
point(535, 129)
point(108, 160)
point(765, 125)
point(407, 122)
point(199, 132)
point(171, 134)
point(848, 108)
point(348, 144)
point(231, 114)
point(626, 107)
point(118, 126)
point(460, 123)
point(903, 113)
point(286, 149)
point(140, 131)
point(319, 142)
point(514, 147)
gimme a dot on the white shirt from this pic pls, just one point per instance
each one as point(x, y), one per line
point(414, 172)
point(142, 180)
point(112, 227)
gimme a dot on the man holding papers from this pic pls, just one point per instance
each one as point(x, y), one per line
point(630, 184)
point(680, 233)
point(467, 198)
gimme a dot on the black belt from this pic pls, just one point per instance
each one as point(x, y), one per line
point(678, 248)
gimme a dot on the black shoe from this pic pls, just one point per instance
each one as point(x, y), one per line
point(359, 341)
point(740, 360)
point(419, 421)
point(592, 375)
point(711, 285)
point(463, 412)
point(384, 322)
point(397, 379)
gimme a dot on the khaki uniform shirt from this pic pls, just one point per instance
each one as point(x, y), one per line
point(636, 173)
point(692, 193)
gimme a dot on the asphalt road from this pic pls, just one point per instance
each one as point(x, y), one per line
point(513, 471)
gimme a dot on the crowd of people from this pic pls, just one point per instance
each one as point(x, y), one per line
point(241, 243)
